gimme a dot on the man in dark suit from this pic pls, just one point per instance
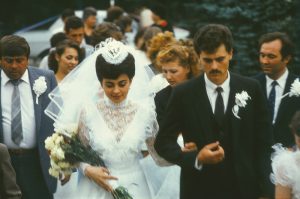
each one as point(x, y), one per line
point(229, 126)
point(276, 51)
point(8, 185)
point(24, 126)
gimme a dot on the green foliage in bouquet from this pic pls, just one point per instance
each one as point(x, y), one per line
point(121, 193)
point(76, 152)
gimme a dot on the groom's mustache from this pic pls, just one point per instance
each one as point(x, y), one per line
point(215, 71)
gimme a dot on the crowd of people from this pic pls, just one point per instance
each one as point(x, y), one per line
point(166, 115)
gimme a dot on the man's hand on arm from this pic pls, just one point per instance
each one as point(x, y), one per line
point(212, 153)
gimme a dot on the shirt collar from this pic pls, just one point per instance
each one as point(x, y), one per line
point(5, 79)
point(281, 80)
point(211, 86)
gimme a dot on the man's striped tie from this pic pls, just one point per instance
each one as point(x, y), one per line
point(16, 119)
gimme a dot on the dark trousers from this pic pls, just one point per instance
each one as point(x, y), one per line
point(29, 176)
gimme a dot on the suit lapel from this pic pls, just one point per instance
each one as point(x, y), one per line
point(234, 123)
point(204, 110)
point(37, 107)
point(1, 127)
point(285, 101)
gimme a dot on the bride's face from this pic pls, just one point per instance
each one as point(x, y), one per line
point(116, 89)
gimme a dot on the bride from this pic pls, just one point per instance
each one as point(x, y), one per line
point(116, 117)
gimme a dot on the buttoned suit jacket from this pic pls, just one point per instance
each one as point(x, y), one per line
point(287, 108)
point(8, 185)
point(189, 112)
point(43, 124)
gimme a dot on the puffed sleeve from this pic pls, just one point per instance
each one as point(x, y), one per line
point(284, 168)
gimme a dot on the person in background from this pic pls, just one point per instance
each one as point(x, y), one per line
point(24, 125)
point(275, 53)
point(8, 185)
point(178, 62)
point(64, 58)
point(159, 16)
point(286, 165)
point(68, 12)
point(74, 29)
point(234, 142)
point(89, 18)
point(114, 13)
point(155, 44)
point(124, 23)
point(158, 42)
point(54, 40)
point(104, 31)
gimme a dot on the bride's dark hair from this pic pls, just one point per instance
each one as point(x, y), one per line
point(113, 71)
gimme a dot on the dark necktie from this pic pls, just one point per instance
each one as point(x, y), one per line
point(16, 119)
point(272, 98)
point(219, 106)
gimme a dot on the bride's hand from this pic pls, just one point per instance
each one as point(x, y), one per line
point(100, 175)
point(189, 147)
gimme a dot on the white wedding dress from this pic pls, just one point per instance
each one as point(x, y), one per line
point(286, 169)
point(118, 133)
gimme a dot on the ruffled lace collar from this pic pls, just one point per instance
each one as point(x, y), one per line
point(113, 105)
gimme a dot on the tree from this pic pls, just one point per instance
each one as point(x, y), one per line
point(248, 20)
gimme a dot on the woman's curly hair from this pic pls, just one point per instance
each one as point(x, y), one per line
point(157, 43)
point(183, 52)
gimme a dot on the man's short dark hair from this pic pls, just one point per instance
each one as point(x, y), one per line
point(68, 12)
point(73, 23)
point(113, 13)
point(287, 45)
point(56, 38)
point(13, 45)
point(104, 31)
point(89, 11)
point(210, 37)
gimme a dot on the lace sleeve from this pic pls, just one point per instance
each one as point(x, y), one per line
point(282, 166)
point(151, 132)
point(83, 131)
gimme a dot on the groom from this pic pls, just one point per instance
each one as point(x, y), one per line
point(234, 140)
point(24, 126)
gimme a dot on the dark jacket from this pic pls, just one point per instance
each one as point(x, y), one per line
point(189, 112)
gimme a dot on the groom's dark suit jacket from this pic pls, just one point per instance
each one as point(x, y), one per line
point(287, 108)
point(247, 144)
point(44, 125)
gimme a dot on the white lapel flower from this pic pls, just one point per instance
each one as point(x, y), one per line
point(39, 87)
point(240, 101)
point(295, 89)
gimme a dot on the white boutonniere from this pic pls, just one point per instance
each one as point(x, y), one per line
point(295, 89)
point(240, 102)
point(39, 87)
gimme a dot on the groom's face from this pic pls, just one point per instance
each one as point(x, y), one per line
point(216, 64)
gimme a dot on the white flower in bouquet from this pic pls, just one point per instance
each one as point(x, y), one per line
point(39, 87)
point(49, 143)
point(54, 172)
point(241, 101)
point(64, 165)
point(68, 130)
point(57, 153)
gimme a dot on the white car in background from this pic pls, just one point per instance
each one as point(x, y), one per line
point(38, 35)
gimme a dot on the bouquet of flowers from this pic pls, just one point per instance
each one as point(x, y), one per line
point(66, 151)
